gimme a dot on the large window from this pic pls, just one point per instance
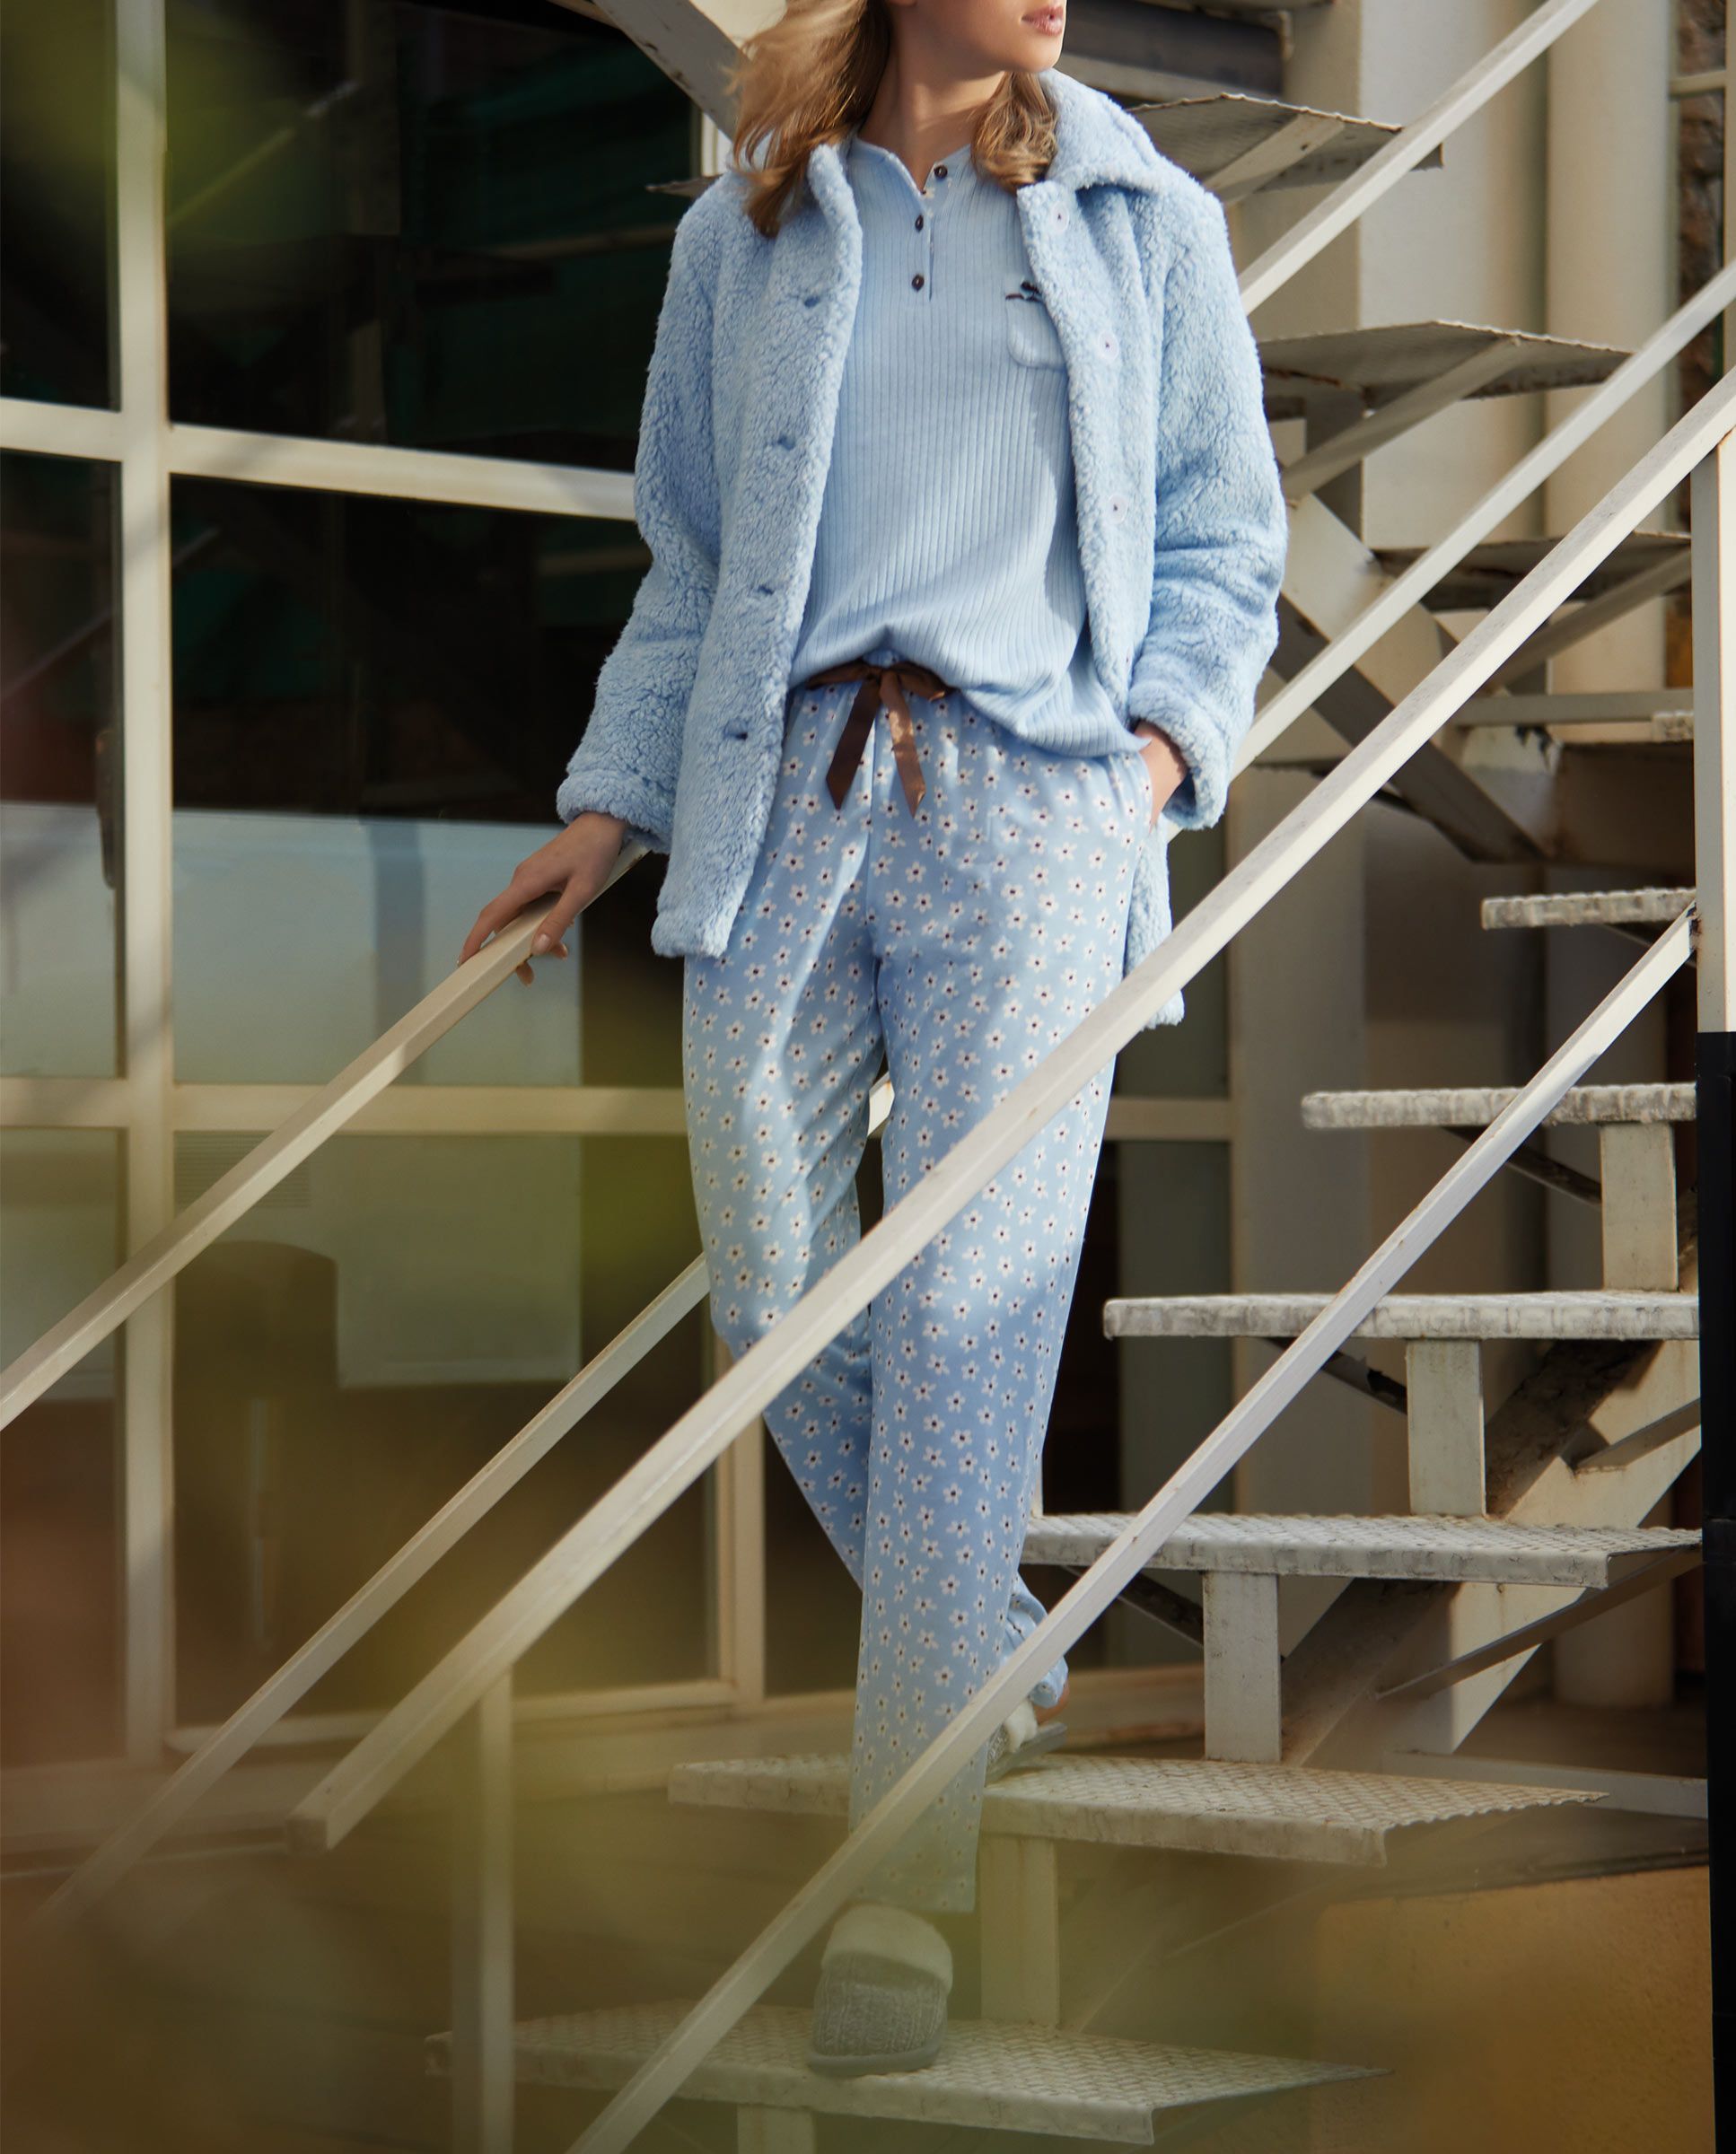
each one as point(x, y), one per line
point(326, 330)
point(325, 341)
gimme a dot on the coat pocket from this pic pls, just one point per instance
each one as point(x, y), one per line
point(1032, 338)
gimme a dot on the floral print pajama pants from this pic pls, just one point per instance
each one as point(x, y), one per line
point(961, 942)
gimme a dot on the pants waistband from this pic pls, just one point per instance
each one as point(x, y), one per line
point(884, 687)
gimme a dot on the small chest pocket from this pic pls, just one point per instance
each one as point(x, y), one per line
point(1030, 334)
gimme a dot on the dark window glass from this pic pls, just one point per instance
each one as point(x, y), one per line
point(59, 768)
point(374, 702)
point(418, 225)
point(60, 1562)
point(349, 1356)
point(57, 186)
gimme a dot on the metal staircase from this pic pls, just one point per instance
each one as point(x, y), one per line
point(1526, 1519)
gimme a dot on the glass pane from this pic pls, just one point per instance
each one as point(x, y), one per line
point(374, 703)
point(59, 770)
point(59, 1492)
point(352, 1354)
point(414, 225)
point(57, 183)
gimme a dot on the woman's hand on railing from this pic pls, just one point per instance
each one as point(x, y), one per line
point(575, 861)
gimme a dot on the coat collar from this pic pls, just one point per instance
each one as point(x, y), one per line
point(1096, 144)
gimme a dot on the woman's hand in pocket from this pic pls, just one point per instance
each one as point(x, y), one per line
point(1164, 761)
point(575, 862)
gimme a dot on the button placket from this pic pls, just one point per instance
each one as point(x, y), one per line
point(920, 281)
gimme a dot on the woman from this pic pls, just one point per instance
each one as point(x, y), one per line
point(966, 534)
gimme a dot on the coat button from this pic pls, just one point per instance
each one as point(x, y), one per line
point(917, 281)
point(940, 172)
point(919, 222)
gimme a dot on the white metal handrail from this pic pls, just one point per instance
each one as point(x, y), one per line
point(1361, 190)
point(284, 1689)
point(488, 1653)
point(108, 1306)
point(1328, 665)
point(235, 455)
point(192, 1230)
point(233, 1194)
point(1702, 433)
point(661, 2075)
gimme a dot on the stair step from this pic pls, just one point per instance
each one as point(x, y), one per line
point(1653, 905)
point(1596, 1313)
point(1489, 571)
point(1588, 715)
point(1285, 144)
point(1468, 1107)
point(990, 2076)
point(1383, 360)
point(1437, 1545)
point(1206, 1806)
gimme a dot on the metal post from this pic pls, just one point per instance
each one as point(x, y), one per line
point(1713, 512)
point(482, 1925)
point(146, 1361)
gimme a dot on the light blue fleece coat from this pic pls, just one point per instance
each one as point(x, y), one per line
point(1181, 521)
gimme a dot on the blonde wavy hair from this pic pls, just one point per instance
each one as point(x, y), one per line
point(811, 76)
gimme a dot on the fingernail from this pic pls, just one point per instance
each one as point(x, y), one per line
point(542, 942)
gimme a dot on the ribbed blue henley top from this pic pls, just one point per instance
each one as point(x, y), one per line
point(947, 529)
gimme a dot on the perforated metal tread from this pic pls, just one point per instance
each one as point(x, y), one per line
point(1490, 1551)
point(1652, 905)
point(1012, 2079)
point(1298, 145)
point(1467, 1107)
point(1596, 1313)
point(1489, 571)
point(1207, 1806)
point(1383, 359)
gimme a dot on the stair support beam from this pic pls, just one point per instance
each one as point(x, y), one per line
point(1018, 1888)
point(760, 2131)
point(482, 2070)
point(1244, 1704)
point(1310, 471)
point(1444, 1383)
point(1637, 1168)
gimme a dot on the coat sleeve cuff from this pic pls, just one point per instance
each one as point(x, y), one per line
point(1201, 797)
point(609, 789)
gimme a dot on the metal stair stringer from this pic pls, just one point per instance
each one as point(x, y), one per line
point(1534, 1444)
point(1330, 579)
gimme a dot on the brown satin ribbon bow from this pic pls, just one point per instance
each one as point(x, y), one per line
point(881, 686)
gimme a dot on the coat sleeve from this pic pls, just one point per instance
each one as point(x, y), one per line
point(627, 761)
point(1222, 526)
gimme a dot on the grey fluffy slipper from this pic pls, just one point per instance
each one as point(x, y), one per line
point(884, 1979)
point(1020, 1738)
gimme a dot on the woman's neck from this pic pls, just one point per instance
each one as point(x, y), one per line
point(923, 113)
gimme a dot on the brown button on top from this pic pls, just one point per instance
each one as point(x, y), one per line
point(917, 280)
point(940, 172)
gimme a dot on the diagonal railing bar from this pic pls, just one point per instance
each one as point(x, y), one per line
point(104, 1867)
point(252, 1177)
point(347, 1794)
point(1354, 196)
point(283, 1689)
point(1279, 712)
point(662, 2074)
point(232, 1195)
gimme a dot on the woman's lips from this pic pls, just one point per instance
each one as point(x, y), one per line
point(1046, 18)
